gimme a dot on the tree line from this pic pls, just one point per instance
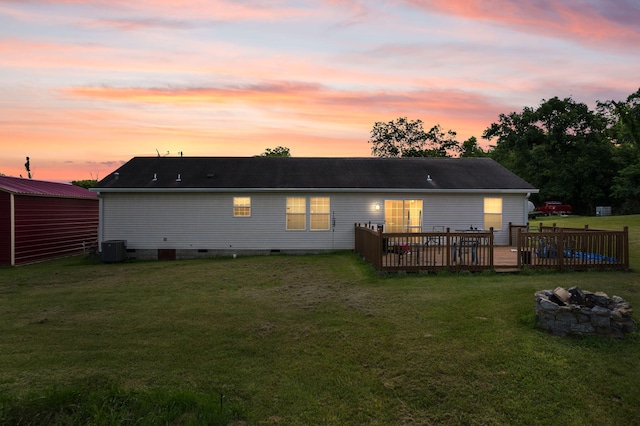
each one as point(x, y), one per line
point(571, 153)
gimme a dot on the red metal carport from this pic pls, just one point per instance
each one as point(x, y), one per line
point(42, 220)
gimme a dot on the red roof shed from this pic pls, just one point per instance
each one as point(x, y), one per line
point(44, 220)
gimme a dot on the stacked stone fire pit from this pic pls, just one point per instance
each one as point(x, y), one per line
point(583, 313)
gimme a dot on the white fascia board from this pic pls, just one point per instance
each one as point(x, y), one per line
point(334, 190)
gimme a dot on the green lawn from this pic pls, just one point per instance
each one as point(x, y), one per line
point(300, 340)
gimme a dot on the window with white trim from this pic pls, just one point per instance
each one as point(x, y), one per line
point(241, 206)
point(296, 213)
point(493, 213)
point(319, 208)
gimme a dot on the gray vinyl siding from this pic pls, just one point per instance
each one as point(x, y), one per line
point(463, 211)
point(205, 221)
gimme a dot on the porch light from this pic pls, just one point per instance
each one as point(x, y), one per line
point(377, 206)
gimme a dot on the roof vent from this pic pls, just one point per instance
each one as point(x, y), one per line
point(116, 175)
point(429, 178)
point(210, 175)
point(178, 179)
point(155, 177)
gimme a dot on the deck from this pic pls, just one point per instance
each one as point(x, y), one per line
point(550, 248)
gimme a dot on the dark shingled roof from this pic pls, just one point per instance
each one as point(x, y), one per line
point(42, 188)
point(312, 173)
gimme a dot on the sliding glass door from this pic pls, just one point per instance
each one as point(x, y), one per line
point(403, 215)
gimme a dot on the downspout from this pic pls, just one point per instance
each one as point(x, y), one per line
point(100, 222)
point(526, 209)
point(12, 232)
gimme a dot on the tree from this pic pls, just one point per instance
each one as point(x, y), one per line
point(560, 148)
point(86, 183)
point(407, 138)
point(279, 151)
point(470, 148)
point(623, 128)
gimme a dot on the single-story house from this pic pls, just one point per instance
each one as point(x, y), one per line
point(183, 207)
point(42, 220)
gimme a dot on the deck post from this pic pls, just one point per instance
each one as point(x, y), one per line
point(626, 247)
point(560, 250)
point(378, 252)
point(491, 242)
point(448, 248)
point(519, 248)
point(510, 233)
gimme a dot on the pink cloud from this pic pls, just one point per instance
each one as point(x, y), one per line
point(201, 9)
point(585, 22)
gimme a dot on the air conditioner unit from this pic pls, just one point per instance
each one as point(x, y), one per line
point(114, 250)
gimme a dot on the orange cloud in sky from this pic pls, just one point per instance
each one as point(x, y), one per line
point(310, 119)
point(312, 102)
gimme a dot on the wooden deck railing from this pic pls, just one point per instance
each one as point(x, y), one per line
point(571, 248)
point(425, 251)
point(547, 247)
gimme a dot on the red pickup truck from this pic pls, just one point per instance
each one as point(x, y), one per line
point(553, 207)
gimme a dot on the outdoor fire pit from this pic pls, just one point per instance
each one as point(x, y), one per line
point(576, 312)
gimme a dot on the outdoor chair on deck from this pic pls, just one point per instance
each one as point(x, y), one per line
point(436, 239)
point(465, 245)
point(547, 248)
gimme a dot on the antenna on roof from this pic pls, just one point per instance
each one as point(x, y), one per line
point(27, 166)
point(161, 155)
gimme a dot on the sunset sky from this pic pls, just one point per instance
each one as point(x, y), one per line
point(85, 85)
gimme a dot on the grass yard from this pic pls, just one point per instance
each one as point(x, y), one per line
point(301, 340)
